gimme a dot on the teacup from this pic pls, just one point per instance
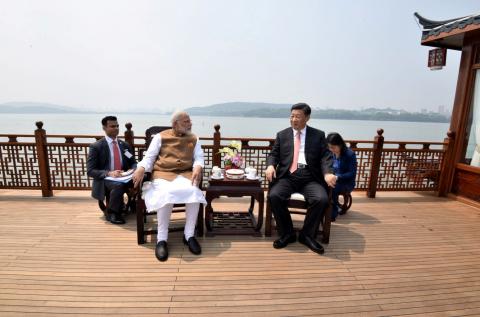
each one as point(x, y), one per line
point(252, 173)
point(216, 172)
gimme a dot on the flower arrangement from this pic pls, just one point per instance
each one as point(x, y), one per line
point(231, 155)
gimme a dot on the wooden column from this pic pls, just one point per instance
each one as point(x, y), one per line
point(376, 159)
point(446, 172)
point(216, 157)
point(42, 155)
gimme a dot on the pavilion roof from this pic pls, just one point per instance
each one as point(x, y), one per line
point(448, 33)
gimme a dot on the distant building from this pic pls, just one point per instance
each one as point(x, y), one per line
point(444, 110)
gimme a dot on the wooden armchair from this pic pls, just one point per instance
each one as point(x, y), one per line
point(142, 212)
point(298, 205)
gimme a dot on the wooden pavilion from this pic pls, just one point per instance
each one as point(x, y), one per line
point(462, 170)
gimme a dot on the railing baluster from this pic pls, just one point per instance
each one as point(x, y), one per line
point(129, 136)
point(216, 158)
point(375, 169)
point(41, 143)
point(446, 170)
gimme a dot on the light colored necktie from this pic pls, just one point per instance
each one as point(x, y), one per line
point(296, 152)
point(117, 164)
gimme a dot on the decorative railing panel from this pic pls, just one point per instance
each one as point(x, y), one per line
point(61, 162)
point(364, 162)
point(68, 166)
point(410, 169)
point(19, 165)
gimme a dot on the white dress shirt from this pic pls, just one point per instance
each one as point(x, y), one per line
point(301, 154)
point(110, 146)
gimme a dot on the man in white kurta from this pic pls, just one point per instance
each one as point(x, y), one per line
point(175, 159)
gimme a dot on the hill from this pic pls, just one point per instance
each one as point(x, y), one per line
point(35, 107)
point(271, 110)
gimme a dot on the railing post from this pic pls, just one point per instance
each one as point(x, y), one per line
point(447, 168)
point(375, 169)
point(129, 136)
point(216, 158)
point(42, 155)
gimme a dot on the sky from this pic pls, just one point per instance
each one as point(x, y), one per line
point(143, 55)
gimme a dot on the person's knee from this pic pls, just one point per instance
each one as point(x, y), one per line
point(275, 196)
point(321, 201)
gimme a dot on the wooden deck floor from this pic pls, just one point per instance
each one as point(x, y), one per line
point(400, 254)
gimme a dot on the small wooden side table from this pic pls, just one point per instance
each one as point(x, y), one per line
point(234, 223)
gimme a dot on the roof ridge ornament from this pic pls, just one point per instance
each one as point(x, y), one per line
point(431, 24)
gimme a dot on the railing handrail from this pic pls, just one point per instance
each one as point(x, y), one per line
point(99, 136)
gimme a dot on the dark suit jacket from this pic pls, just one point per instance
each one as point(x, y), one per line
point(98, 164)
point(317, 155)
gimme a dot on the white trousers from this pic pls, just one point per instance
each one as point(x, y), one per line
point(163, 219)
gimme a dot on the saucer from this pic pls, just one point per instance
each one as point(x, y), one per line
point(216, 177)
point(256, 178)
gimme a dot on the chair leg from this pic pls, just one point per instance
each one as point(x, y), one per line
point(140, 224)
point(200, 221)
point(347, 203)
point(326, 224)
point(268, 219)
point(350, 200)
point(327, 219)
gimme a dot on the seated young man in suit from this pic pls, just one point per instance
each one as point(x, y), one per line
point(110, 156)
point(299, 162)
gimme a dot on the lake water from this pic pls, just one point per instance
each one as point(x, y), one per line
point(230, 126)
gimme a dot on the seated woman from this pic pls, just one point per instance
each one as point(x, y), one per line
point(345, 166)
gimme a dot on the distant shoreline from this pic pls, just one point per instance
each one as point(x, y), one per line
point(245, 110)
point(314, 116)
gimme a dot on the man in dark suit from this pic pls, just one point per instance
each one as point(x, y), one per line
point(299, 162)
point(110, 157)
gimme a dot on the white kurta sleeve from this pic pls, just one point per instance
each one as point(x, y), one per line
point(198, 155)
point(151, 155)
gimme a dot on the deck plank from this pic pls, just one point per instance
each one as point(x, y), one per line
point(401, 254)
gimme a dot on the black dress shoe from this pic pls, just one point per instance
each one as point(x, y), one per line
point(193, 245)
point(311, 243)
point(161, 251)
point(116, 218)
point(284, 240)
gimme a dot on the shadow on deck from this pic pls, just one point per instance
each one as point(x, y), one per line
point(403, 253)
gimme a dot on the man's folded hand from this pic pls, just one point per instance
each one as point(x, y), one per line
point(270, 173)
point(196, 175)
point(138, 176)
